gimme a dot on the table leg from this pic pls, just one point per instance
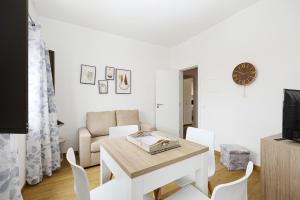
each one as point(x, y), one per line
point(105, 172)
point(201, 175)
point(136, 190)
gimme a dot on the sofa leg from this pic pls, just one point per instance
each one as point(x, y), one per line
point(209, 188)
point(110, 176)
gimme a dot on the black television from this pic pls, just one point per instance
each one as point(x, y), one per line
point(291, 115)
point(14, 66)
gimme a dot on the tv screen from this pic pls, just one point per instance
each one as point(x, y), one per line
point(14, 65)
point(291, 115)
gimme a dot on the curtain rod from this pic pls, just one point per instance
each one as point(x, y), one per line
point(31, 20)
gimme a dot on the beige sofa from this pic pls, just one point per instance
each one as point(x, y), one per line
point(97, 125)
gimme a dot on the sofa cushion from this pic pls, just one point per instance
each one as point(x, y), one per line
point(95, 143)
point(98, 123)
point(127, 117)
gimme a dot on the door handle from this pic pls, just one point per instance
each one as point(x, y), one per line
point(159, 104)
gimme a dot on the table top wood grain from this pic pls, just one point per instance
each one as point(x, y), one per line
point(136, 162)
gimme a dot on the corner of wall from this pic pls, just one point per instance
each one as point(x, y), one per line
point(32, 10)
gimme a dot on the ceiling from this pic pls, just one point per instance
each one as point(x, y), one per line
point(162, 22)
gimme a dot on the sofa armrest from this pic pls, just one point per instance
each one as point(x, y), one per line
point(84, 147)
point(147, 127)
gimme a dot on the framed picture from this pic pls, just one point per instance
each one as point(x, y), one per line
point(88, 74)
point(103, 86)
point(109, 73)
point(123, 81)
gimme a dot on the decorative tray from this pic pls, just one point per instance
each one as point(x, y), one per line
point(153, 143)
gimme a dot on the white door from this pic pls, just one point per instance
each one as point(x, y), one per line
point(167, 101)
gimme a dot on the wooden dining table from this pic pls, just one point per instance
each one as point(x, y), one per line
point(143, 172)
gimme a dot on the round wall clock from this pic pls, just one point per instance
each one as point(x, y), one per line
point(244, 74)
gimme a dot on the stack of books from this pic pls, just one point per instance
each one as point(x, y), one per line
point(153, 143)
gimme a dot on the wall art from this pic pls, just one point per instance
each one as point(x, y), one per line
point(123, 81)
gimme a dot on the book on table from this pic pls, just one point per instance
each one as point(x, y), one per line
point(153, 143)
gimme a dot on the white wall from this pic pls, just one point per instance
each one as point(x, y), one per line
point(265, 34)
point(32, 11)
point(75, 45)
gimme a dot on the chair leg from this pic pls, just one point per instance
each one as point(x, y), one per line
point(209, 188)
point(110, 176)
point(156, 193)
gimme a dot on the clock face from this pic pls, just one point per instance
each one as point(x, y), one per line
point(244, 74)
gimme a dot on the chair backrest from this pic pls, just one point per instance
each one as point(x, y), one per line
point(120, 131)
point(206, 138)
point(81, 185)
point(236, 190)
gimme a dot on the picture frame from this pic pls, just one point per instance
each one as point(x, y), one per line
point(88, 74)
point(103, 86)
point(109, 73)
point(123, 81)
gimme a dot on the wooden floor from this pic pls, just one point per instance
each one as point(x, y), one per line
point(60, 185)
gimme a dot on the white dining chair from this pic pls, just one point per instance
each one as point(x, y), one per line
point(206, 138)
point(113, 190)
point(236, 190)
point(120, 131)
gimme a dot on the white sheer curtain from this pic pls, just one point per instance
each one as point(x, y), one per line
point(42, 145)
point(9, 170)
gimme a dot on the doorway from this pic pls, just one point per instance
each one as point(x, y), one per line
point(188, 99)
